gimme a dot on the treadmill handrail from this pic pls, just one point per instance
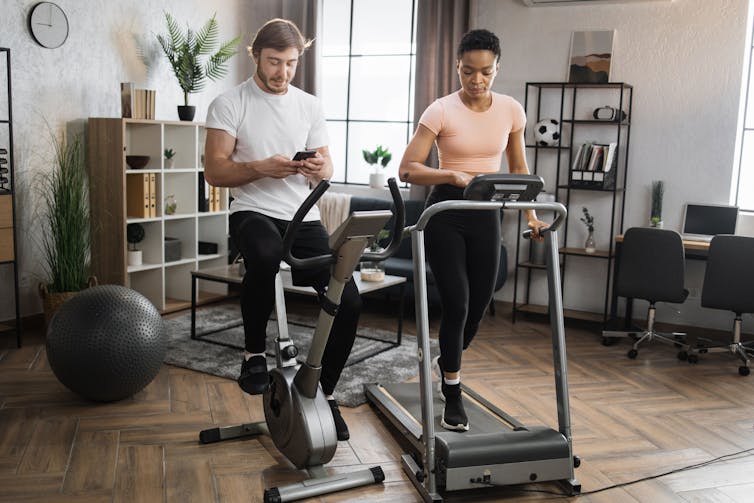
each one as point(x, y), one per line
point(558, 208)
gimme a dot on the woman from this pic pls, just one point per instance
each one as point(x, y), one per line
point(472, 128)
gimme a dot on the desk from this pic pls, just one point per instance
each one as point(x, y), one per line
point(694, 250)
point(230, 275)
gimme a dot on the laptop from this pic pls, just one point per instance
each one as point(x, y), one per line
point(701, 222)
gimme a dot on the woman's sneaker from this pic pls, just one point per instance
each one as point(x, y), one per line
point(453, 415)
point(254, 378)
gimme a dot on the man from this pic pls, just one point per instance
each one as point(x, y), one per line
point(253, 132)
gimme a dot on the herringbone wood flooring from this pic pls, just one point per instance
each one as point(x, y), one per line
point(631, 419)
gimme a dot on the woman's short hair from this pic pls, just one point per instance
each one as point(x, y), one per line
point(278, 34)
point(479, 40)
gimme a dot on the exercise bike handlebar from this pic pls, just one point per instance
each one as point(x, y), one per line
point(399, 221)
point(330, 258)
point(290, 232)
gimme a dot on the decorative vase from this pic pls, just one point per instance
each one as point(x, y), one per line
point(377, 180)
point(171, 205)
point(134, 257)
point(186, 112)
point(589, 245)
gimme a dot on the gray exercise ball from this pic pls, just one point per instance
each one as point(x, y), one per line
point(106, 343)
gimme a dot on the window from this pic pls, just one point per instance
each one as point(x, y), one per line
point(368, 62)
point(743, 174)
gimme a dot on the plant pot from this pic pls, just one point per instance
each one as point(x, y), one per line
point(134, 257)
point(377, 180)
point(656, 223)
point(372, 271)
point(186, 112)
point(51, 301)
point(169, 163)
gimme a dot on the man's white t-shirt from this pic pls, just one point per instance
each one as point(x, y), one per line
point(263, 125)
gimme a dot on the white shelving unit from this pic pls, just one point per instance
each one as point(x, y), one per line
point(166, 284)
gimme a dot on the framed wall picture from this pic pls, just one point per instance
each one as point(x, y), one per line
point(591, 53)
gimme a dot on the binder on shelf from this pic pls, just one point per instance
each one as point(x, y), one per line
point(152, 195)
point(218, 191)
point(138, 195)
point(203, 202)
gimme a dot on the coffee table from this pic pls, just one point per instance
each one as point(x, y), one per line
point(230, 275)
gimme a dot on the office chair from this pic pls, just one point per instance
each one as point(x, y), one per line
point(728, 284)
point(651, 267)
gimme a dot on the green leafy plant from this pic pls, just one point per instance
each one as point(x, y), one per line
point(587, 219)
point(169, 153)
point(64, 191)
point(379, 156)
point(134, 235)
point(184, 52)
point(658, 191)
point(378, 239)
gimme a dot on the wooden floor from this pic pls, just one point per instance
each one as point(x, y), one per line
point(631, 419)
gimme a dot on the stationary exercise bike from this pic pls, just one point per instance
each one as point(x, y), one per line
point(297, 416)
point(498, 450)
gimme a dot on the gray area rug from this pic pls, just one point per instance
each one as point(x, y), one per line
point(369, 362)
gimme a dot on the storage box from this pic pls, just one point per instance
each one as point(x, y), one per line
point(172, 249)
point(207, 248)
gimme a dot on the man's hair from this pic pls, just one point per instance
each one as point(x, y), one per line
point(278, 34)
point(479, 40)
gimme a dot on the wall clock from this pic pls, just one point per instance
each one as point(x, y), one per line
point(48, 25)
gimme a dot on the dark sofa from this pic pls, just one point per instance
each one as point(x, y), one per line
point(401, 263)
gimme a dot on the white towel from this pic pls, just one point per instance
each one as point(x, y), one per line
point(334, 208)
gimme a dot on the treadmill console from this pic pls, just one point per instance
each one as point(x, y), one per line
point(504, 187)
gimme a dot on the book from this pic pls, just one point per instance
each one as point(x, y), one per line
point(126, 99)
point(610, 158)
point(138, 195)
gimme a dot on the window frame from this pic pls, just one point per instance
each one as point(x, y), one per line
point(347, 121)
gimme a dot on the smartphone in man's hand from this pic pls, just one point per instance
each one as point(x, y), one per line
point(304, 154)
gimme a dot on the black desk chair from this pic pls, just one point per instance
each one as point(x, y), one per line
point(651, 268)
point(729, 285)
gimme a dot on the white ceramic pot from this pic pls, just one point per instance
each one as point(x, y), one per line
point(169, 163)
point(377, 180)
point(134, 257)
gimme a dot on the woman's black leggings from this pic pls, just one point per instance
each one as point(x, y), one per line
point(259, 238)
point(463, 250)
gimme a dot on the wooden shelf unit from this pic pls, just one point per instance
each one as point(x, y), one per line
point(167, 284)
point(8, 215)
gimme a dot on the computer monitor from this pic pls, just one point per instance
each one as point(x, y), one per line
point(709, 219)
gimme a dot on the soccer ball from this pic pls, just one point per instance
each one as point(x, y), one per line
point(547, 132)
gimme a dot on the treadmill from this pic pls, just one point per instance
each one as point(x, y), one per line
point(497, 450)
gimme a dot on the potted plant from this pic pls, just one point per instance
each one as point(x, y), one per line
point(589, 246)
point(169, 161)
point(184, 50)
point(65, 224)
point(134, 236)
point(658, 191)
point(378, 158)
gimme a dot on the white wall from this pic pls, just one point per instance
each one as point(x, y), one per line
point(684, 59)
point(81, 79)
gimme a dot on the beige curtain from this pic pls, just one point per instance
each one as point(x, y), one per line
point(440, 25)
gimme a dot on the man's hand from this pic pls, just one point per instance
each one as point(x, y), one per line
point(312, 168)
point(278, 166)
point(535, 225)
